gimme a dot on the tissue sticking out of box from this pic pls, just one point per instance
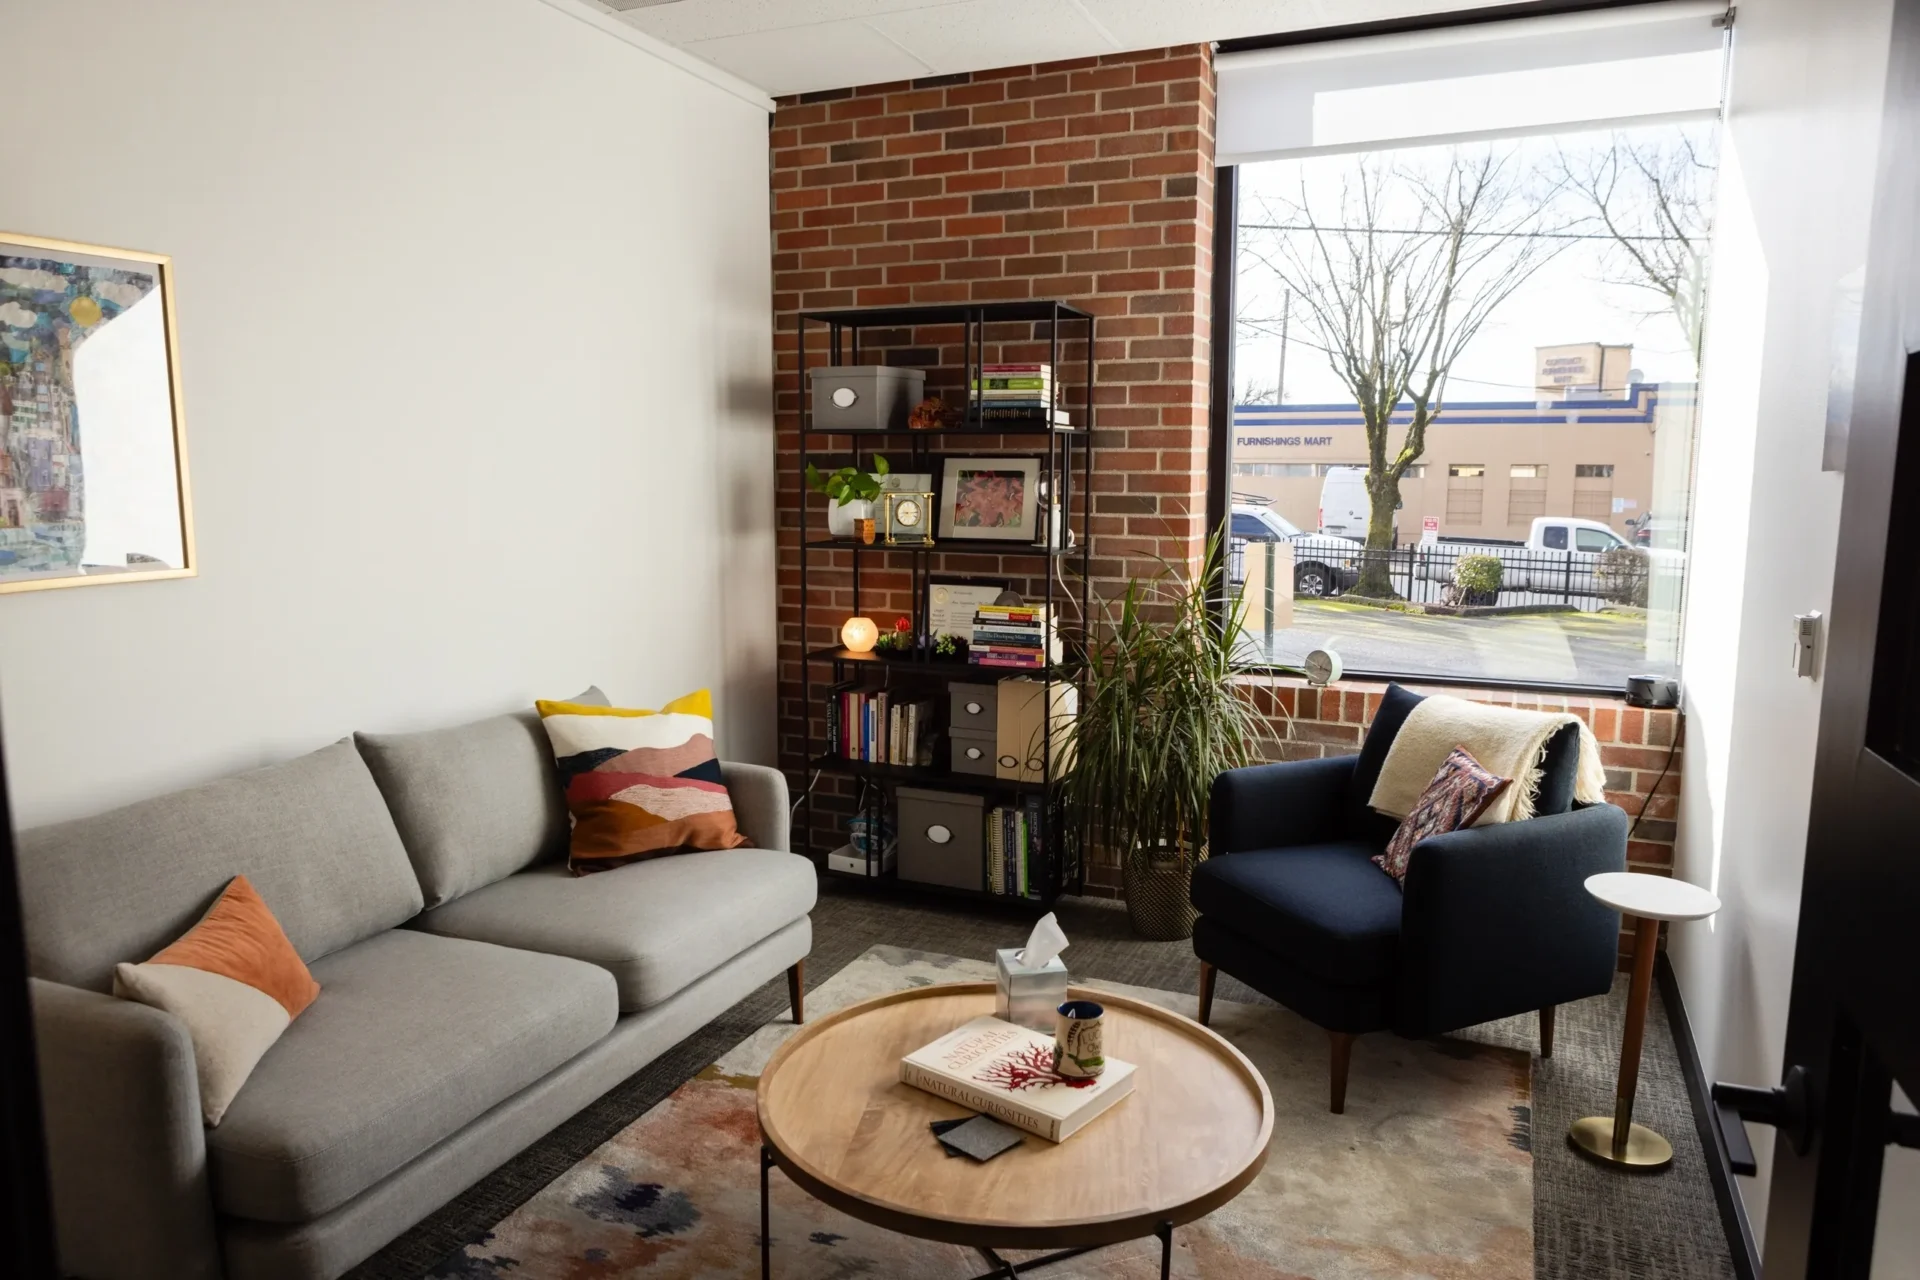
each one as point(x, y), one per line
point(1044, 943)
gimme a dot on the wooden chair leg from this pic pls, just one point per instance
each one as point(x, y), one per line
point(1546, 1031)
point(1207, 974)
point(1342, 1058)
point(797, 990)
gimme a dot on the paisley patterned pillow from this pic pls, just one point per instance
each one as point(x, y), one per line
point(1458, 794)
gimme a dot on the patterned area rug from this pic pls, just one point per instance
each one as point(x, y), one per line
point(1438, 1183)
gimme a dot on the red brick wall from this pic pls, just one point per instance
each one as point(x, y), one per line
point(1089, 181)
point(1636, 746)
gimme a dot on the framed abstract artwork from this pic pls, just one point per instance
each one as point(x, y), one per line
point(93, 450)
point(997, 499)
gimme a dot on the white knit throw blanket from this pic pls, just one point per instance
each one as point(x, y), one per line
point(1505, 742)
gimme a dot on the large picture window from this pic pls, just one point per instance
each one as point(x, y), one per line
point(1465, 368)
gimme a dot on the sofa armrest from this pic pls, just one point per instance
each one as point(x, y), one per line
point(1274, 805)
point(760, 806)
point(1498, 921)
point(125, 1144)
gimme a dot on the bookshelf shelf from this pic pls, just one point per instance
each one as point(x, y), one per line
point(950, 546)
point(1068, 472)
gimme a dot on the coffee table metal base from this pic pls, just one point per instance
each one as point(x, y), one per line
point(1003, 1268)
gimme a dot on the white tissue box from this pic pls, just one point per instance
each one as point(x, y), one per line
point(1025, 996)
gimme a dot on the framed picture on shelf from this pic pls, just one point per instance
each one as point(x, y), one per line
point(991, 499)
point(951, 602)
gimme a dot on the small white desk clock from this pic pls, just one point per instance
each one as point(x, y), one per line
point(1323, 666)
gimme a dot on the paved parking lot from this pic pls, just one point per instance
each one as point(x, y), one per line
point(1558, 648)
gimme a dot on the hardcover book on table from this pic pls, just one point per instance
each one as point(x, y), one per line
point(1005, 1071)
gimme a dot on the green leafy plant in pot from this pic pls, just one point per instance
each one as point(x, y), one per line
point(850, 494)
point(1163, 711)
point(1477, 579)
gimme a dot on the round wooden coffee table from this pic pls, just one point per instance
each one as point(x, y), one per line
point(836, 1119)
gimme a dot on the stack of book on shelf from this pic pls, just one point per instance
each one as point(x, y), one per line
point(1006, 1072)
point(873, 726)
point(1017, 849)
point(1017, 392)
point(1013, 635)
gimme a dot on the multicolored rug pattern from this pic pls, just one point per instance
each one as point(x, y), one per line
point(1428, 1174)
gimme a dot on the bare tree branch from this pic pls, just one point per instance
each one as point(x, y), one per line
point(1395, 279)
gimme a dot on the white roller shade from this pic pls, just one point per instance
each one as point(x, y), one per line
point(1658, 60)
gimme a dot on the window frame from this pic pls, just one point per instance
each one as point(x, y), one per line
point(1226, 225)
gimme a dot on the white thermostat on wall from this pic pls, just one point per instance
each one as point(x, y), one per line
point(1323, 666)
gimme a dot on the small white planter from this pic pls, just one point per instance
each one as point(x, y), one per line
point(841, 515)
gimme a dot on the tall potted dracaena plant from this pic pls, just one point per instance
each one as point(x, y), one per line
point(1161, 715)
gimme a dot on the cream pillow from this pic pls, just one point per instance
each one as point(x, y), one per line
point(237, 984)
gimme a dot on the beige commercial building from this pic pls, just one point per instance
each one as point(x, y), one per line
point(1489, 468)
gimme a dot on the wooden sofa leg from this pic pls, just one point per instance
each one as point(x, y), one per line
point(797, 990)
point(1546, 1031)
point(1342, 1058)
point(1207, 974)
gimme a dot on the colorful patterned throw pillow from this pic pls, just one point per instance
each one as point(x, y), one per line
point(237, 984)
point(1458, 795)
point(639, 783)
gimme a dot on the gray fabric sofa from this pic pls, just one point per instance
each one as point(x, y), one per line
point(474, 994)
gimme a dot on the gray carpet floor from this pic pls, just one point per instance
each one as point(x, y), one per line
point(1589, 1222)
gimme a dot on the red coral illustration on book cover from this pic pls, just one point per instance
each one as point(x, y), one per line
point(1026, 1068)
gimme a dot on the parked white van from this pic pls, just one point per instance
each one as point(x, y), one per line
point(1344, 504)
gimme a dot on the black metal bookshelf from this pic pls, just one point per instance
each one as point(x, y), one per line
point(1069, 471)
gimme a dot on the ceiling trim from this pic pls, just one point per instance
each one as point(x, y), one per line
point(1423, 22)
point(675, 57)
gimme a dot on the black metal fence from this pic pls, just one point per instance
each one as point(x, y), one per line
point(1490, 575)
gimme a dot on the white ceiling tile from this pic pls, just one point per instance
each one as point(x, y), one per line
point(796, 46)
point(692, 20)
point(974, 35)
point(831, 55)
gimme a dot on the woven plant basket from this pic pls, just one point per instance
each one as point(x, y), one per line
point(1159, 897)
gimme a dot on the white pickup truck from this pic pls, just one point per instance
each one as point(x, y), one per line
point(1561, 553)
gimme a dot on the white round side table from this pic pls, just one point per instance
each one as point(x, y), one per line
point(1649, 899)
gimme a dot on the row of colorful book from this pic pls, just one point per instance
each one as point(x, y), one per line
point(873, 726)
point(1019, 636)
point(1010, 391)
point(1017, 848)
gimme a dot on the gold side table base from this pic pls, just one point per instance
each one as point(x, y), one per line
point(1646, 1149)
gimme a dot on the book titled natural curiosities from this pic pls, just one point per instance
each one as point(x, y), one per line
point(1007, 1072)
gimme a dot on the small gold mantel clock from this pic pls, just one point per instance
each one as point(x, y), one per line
point(906, 518)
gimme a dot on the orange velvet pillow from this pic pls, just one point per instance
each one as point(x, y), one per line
point(237, 983)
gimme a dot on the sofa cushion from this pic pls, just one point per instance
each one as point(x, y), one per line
point(413, 1036)
point(474, 803)
point(656, 925)
point(312, 835)
point(1325, 908)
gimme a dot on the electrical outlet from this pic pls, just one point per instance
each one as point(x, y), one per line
point(1806, 644)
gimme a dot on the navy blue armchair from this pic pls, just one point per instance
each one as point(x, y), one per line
point(1493, 921)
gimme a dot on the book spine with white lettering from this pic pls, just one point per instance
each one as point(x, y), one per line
point(999, 1106)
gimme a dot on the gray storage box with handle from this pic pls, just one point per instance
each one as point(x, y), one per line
point(942, 837)
point(865, 397)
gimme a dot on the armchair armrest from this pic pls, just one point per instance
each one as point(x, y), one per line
point(124, 1138)
point(759, 803)
point(1274, 805)
point(1497, 920)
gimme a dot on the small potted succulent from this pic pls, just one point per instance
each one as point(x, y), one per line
point(850, 494)
point(903, 642)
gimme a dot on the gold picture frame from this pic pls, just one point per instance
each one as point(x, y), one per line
point(60, 398)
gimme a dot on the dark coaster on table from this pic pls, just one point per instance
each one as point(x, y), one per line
point(941, 1126)
point(982, 1137)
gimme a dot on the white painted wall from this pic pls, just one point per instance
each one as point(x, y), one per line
point(474, 318)
point(1792, 218)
